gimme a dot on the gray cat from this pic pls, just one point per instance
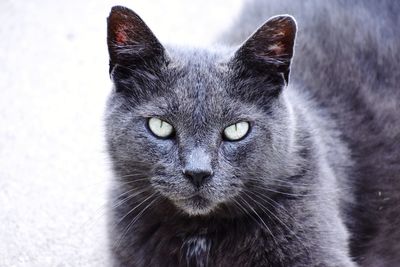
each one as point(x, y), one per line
point(238, 156)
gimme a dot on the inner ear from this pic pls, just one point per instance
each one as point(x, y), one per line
point(270, 48)
point(130, 41)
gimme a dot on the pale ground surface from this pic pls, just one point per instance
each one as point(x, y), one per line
point(54, 83)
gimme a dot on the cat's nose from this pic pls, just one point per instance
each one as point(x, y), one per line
point(197, 168)
point(197, 176)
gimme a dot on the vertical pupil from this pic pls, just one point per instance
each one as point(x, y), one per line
point(161, 122)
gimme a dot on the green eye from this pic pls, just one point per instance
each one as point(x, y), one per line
point(236, 131)
point(160, 128)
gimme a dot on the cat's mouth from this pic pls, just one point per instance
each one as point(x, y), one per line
point(195, 205)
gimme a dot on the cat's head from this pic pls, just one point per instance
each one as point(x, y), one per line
point(198, 128)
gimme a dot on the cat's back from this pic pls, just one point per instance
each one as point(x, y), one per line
point(341, 46)
point(347, 58)
point(339, 43)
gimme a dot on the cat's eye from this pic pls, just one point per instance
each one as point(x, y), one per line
point(236, 131)
point(160, 128)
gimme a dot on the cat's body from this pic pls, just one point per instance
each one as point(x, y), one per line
point(347, 59)
point(313, 183)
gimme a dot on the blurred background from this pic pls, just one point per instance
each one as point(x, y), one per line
point(54, 81)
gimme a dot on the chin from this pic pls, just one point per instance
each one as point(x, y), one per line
point(196, 206)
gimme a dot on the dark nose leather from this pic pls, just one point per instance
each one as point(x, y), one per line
point(197, 177)
point(197, 168)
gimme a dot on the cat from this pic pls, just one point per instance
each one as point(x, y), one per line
point(250, 156)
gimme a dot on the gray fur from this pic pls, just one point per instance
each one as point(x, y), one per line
point(303, 188)
point(347, 60)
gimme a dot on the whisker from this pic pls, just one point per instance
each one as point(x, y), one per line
point(285, 182)
point(258, 185)
point(280, 192)
point(133, 209)
point(134, 175)
point(263, 207)
point(101, 211)
point(134, 183)
point(293, 185)
point(110, 181)
point(124, 200)
point(135, 219)
point(278, 206)
point(259, 217)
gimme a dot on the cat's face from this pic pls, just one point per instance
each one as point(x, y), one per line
point(196, 127)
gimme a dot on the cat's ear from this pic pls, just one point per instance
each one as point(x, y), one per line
point(130, 42)
point(270, 48)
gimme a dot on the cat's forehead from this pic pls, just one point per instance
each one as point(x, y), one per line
point(200, 75)
point(202, 89)
point(199, 65)
point(198, 91)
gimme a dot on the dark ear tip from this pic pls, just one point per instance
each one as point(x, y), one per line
point(286, 19)
point(121, 10)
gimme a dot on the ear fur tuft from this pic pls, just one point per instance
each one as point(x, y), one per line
point(129, 39)
point(271, 47)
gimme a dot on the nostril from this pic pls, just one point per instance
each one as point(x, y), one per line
point(197, 177)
